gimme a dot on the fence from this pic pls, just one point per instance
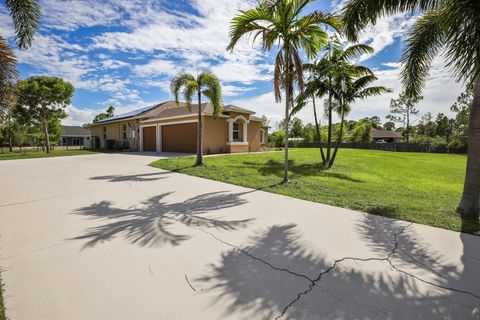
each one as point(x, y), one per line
point(38, 148)
point(395, 147)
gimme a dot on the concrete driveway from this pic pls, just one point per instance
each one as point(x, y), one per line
point(107, 237)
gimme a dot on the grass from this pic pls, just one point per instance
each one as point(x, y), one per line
point(419, 187)
point(2, 307)
point(42, 154)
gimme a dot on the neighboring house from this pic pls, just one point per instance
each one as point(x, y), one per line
point(167, 127)
point(76, 136)
point(385, 136)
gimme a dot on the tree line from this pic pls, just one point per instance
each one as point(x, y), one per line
point(429, 129)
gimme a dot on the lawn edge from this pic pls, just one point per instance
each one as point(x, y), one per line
point(2, 305)
point(474, 231)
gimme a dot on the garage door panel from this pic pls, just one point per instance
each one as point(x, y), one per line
point(149, 139)
point(179, 138)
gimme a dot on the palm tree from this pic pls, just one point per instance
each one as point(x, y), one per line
point(25, 16)
point(281, 23)
point(352, 83)
point(334, 75)
point(451, 27)
point(206, 84)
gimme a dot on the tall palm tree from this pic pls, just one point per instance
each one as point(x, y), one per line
point(451, 27)
point(282, 24)
point(206, 84)
point(25, 16)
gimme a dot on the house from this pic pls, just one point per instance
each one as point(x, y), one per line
point(385, 136)
point(76, 136)
point(166, 127)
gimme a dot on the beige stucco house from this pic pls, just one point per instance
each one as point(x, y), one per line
point(167, 127)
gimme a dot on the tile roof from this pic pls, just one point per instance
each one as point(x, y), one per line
point(75, 131)
point(207, 108)
point(170, 109)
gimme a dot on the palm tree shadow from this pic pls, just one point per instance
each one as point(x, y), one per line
point(250, 289)
point(134, 177)
point(272, 167)
point(153, 223)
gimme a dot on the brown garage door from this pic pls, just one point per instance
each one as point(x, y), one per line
point(179, 138)
point(149, 139)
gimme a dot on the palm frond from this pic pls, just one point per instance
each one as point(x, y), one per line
point(423, 43)
point(358, 14)
point(213, 91)
point(189, 90)
point(179, 81)
point(355, 51)
point(26, 20)
point(462, 36)
point(8, 72)
point(373, 91)
point(248, 21)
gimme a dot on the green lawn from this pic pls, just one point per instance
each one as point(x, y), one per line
point(2, 307)
point(42, 154)
point(418, 187)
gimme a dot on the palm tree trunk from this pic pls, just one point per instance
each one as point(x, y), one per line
point(340, 136)
point(45, 132)
point(470, 202)
point(317, 127)
point(287, 110)
point(199, 132)
point(408, 124)
point(329, 137)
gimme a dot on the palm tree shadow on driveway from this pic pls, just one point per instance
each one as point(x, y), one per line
point(251, 289)
point(133, 177)
point(151, 224)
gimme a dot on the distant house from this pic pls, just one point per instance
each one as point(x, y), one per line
point(166, 127)
point(76, 136)
point(385, 136)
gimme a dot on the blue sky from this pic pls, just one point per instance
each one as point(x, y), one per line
point(124, 53)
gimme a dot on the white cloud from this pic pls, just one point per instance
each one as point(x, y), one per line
point(71, 14)
point(78, 117)
point(50, 55)
point(5, 25)
point(155, 67)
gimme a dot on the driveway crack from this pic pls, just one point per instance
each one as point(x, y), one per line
point(315, 281)
point(386, 259)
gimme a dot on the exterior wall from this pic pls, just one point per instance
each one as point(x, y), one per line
point(237, 148)
point(115, 132)
point(215, 135)
point(254, 131)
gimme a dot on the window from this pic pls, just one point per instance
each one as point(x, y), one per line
point(236, 132)
point(262, 137)
point(124, 130)
point(133, 134)
point(105, 133)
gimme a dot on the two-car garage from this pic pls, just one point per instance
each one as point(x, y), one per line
point(174, 137)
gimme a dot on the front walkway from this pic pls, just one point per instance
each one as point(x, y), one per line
point(107, 237)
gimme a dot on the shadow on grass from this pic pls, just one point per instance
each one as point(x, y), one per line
point(155, 221)
point(273, 167)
